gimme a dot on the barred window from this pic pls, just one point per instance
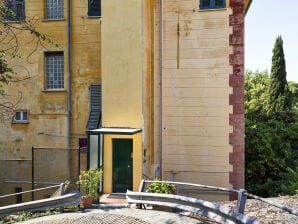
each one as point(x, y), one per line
point(54, 9)
point(17, 10)
point(94, 7)
point(54, 70)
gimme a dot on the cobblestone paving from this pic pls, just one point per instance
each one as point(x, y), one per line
point(100, 218)
point(123, 215)
point(109, 218)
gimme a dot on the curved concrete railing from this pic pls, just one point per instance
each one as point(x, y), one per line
point(54, 202)
point(216, 212)
point(242, 195)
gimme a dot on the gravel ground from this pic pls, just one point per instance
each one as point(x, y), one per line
point(266, 213)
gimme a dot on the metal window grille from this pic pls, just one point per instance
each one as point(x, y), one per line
point(54, 9)
point(17, 8)
point(54, 70)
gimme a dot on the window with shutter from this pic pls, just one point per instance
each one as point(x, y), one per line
point(205, 4)
point(94, 7)
point(219, 4)
point(212, 4)
point(94, 120)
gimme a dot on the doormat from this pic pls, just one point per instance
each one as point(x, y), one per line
point(117, 196)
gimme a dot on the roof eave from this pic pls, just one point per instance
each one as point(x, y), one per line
point(247, 5)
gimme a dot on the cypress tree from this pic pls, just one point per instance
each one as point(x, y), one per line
point(279, 98)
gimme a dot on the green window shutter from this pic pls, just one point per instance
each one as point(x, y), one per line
point(212, 4)
point(94, 7)
point(219, 4)
point(205, 4)
point(94, 120)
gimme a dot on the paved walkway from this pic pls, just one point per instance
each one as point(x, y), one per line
point(109, 214)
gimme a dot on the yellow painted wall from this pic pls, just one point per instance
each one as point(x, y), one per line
point(108, 158)
point(148, 89)
point(122, 76)
point(195, 100)
point(122, 63)
point(121, 51)
point(47, 110)
point(157, 102)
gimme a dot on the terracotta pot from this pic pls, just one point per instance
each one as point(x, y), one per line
point(87, 201)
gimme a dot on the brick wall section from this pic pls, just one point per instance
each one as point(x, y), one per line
point(236, 81)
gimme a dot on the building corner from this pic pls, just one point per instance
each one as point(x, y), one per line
point(236, 100)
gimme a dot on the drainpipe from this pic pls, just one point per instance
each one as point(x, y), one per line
point(160, 78)
point(69, 88)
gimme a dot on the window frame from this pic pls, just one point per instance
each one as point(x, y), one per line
point(13, 8)
point(49, 14)
point(47, 85)
point(212, 5)
point(21, 120)
point(89, 9)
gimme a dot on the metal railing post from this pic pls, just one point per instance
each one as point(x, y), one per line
point(241, 201)
point(61, 192)
point(141, 189)
point(142, 186)
point(32, 174)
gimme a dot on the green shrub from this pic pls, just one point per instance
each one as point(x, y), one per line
point(23, 216)
point(271, 158)
point(162, 188)
point(271, 138)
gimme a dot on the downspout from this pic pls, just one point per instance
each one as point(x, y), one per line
point(144, 88)
point(160, 79)
point(69, 88)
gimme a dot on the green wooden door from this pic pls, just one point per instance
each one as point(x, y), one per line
point(122, 165)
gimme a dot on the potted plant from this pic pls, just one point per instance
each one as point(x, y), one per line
point(88, 182)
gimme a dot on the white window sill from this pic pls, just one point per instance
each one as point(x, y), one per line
point(53, 20)
point(206, 10)
point(20, 122)
point(54, 90)
point(14, 21)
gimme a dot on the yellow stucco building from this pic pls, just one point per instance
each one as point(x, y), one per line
point(59, 92)
point(155, 86)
